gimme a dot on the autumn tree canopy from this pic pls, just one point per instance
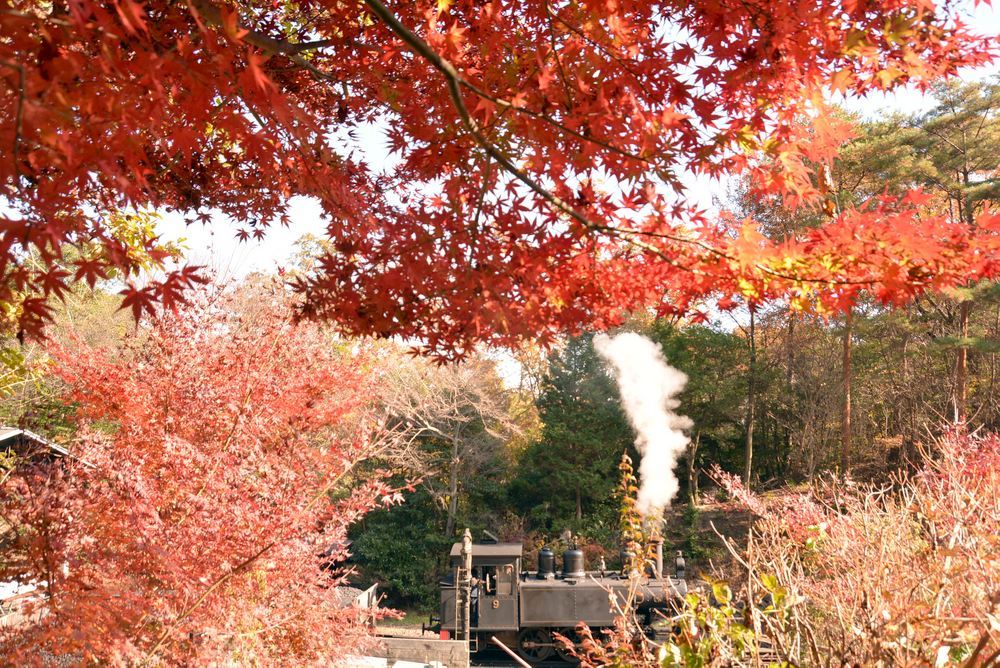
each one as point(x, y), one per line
point(539, 147)
point(203, 515)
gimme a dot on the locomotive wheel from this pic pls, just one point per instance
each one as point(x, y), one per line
point(534, 645)
point(563, 653)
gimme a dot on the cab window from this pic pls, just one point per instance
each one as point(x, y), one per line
point(498, 580)
point(490, 580)
point(505, 580)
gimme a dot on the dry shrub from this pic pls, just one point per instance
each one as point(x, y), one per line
point(906, 573)
point(898, 574)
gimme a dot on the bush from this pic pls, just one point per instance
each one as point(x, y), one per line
point(404, 551)
point(906, 573)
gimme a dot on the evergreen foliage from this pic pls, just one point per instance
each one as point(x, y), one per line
point(566, 479)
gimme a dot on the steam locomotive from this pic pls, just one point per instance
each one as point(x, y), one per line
point(523, 608)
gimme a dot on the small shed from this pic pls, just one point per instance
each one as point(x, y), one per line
point(20, 445)
point(28, 445)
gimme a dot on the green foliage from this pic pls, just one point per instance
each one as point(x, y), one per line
point(137, 232)
point(950, 151)
point(706, 630)
point(484, 500)
point(570, 472)
point(584, 430)
point(692, 544)
point(29, 393)
point(716, 366)
point(630, 521)
point(714, 628)
point(14, 369)
point(404, 551)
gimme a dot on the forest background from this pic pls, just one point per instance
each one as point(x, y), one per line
point(777, 396)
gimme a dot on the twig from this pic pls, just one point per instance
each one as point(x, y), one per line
point(239, 568)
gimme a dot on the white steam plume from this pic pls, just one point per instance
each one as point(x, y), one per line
point(649, 387)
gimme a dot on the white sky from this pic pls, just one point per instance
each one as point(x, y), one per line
point(216, 245)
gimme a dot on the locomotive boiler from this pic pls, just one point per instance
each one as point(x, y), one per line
point(522, 609)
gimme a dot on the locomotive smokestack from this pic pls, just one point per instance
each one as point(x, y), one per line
point(657, 542)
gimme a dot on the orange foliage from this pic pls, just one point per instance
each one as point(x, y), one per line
point(534, 186)
point(212, 480)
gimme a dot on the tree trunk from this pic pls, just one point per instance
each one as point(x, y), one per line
point(751, 402)
point(962, 363)
point(579, 503)
point(789, 394)
point(991, 416)
point(845, 425)
point(453, 492)
point(966, 210)
point(692, 470)
point(790, 350)
point(907, 418)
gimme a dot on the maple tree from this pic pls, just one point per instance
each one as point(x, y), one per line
point(539, 147)
point(211, 485)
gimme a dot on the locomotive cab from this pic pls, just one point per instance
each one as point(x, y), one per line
point(495, 568)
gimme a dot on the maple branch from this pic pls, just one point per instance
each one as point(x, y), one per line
point(268, 45)
point(221, 580)
point(34, 17)
point(562, 73)
point(299, 47)
point(455, 82)
point(19, 118)
point(440, 63)
point(265, 629)
point(479, 209)
point(600, 47)
point(240, 567)
point(507, 104)
point(237, 418)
